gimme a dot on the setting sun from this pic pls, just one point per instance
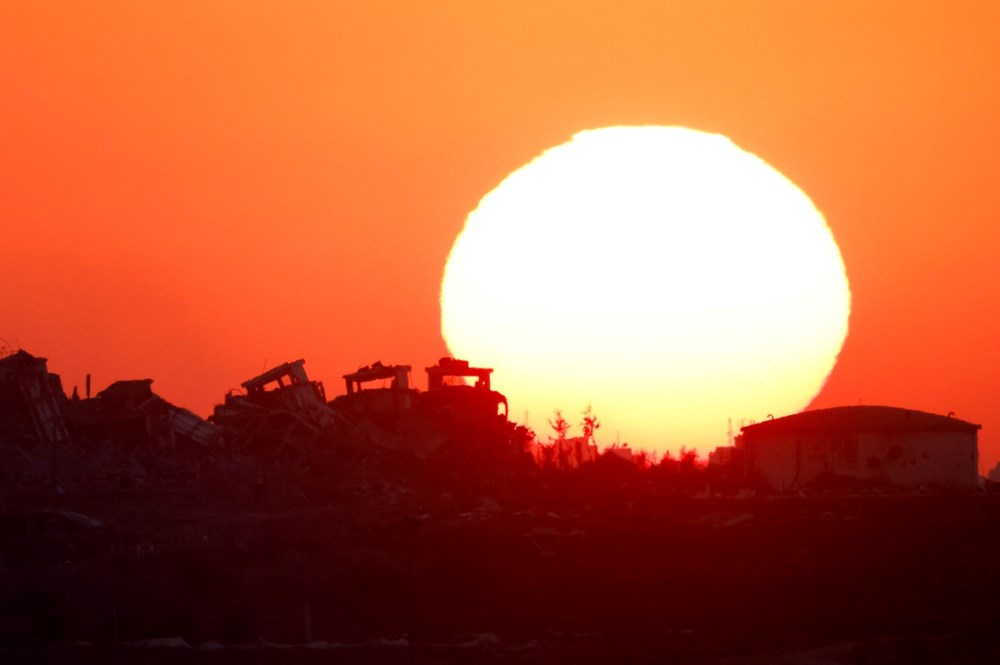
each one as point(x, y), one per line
point(664, 275)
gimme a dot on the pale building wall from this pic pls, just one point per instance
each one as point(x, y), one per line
point(775, 461)
point(906, 459)
point(915, 459)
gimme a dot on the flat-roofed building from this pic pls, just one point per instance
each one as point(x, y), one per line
point(881, 444)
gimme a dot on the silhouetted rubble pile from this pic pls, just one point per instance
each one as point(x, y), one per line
point(130, 414)
point(31, 401)
point(391, 523)
point(281, 420)
point(282, 413)
point(124, 434)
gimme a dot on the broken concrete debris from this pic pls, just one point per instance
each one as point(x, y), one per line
point(34, 409)
point(281, 411)
point(30, 400)
point(283, 414)
point(47, 436)
point(130, 414)
point(446, 397)
point(362, 398)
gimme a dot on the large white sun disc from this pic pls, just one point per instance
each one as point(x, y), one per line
point(662, 274)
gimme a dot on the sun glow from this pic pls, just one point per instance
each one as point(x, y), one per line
point(661, 274)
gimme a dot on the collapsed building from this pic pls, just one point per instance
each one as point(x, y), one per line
point(130, 414)
point(284, 408)
point(448, 393)
point(362, 398)
point(280, 413)
point(281, 409)
point(31, 400)
point(34, 409)
point(876, 444)
point(117, 434)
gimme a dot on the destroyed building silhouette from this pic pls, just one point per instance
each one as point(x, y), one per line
point(284, 414)
point(31, 400)
point(312, 524)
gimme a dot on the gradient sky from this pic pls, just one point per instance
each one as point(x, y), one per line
point(190, 191)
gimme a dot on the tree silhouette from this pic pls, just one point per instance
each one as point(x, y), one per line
point(559, 424)
point(590, 424)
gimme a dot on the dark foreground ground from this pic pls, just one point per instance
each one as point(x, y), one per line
point(551, 572)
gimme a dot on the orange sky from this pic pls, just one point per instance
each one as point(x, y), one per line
point(190, 190)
